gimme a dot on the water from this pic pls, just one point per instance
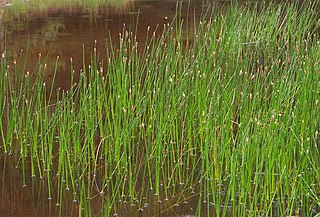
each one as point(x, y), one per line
point(66, 34)
point(55, 39)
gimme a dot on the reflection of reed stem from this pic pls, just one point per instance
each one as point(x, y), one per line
point(2, 39)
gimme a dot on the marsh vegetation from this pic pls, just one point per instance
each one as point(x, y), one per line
point(224, 114)
point(28, 8)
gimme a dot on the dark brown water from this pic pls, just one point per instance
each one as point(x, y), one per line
point(48, 38)
point(64, 35)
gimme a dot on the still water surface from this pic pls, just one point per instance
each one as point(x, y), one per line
point(67, 35)
point(75, 35)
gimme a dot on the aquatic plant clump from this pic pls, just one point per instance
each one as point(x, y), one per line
point(226, 113)
point(21, 8)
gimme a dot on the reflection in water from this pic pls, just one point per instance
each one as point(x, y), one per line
point(55, 40)
point(47, 32)
point(64, 35)
point(2, 41)
point(28, 197)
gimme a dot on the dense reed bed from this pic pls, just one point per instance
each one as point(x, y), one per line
point(226, 113)
point(22, 9)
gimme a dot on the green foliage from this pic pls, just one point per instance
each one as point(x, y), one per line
point(228, 115)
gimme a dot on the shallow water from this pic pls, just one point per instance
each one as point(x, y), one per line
point(30, 198)
point(44, 37)
point(66, 34)
point(74, 35)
